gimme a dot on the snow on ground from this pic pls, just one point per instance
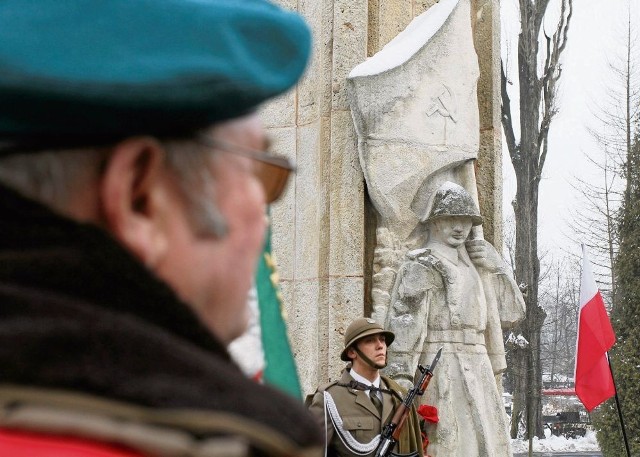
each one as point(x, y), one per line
point(555, 405)
point(558, 443)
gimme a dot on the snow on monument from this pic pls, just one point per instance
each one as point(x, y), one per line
point(415, 110)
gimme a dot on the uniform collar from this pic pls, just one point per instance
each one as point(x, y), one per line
point(357, 377)
point(453, 255)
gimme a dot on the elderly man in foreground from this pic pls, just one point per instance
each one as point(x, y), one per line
point(133, 190)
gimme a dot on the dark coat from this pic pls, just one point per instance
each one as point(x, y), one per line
point(360, 417)
point(90, 338)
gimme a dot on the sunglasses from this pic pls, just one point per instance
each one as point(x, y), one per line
point(272, 171)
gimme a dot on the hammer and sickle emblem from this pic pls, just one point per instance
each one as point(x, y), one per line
point(444, 104)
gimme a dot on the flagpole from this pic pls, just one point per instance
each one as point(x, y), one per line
point(624, 431)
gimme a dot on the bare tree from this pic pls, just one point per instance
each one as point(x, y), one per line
point(595, 223)
point(560, 298)
point(612, 131)
point(539, 70)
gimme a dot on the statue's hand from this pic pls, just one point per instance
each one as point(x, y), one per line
point(483, 255)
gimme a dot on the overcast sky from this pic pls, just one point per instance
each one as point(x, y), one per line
point(595, 34)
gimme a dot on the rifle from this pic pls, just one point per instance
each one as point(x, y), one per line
point(391, 431)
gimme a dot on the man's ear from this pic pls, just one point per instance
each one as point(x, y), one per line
point(132, 193)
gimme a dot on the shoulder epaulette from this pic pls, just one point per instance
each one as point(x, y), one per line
point(414, 254)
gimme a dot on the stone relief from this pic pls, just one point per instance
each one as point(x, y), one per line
point(415, 109)
point(447, 295)
point(443, 104)
point(436, 281)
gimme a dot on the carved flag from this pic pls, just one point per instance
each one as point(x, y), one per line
point(593, 379)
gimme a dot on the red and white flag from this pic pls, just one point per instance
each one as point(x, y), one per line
point(593, 380)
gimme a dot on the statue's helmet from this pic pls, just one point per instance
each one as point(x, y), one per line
point(361, 327)
point(454, 200)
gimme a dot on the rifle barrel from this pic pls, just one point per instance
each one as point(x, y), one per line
point(391, 431)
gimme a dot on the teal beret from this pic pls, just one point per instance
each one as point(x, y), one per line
point(77, 70)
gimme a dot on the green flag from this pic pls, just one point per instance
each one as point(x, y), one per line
point(280, 367)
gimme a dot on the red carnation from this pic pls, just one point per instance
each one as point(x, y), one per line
point(429, 413)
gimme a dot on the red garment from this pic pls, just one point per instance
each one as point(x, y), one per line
point(28, 444)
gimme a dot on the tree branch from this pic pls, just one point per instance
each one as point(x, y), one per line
point(552, 71)
point(506, 119)
point(539, 10)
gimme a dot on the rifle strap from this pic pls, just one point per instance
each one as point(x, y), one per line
point(360, 386)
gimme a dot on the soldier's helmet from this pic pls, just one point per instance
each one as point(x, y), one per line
point(453, 200)
point(361, 327)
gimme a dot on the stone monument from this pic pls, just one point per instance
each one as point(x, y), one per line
point(415, 110)
point(447, 295)
point(436, 281)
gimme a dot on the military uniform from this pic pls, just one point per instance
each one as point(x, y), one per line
point(360, 418)
point(345, 408)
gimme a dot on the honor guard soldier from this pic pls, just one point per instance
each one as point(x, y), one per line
point(354, 409)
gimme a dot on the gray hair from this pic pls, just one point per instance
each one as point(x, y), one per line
point(52, 177)
point(191, 165)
